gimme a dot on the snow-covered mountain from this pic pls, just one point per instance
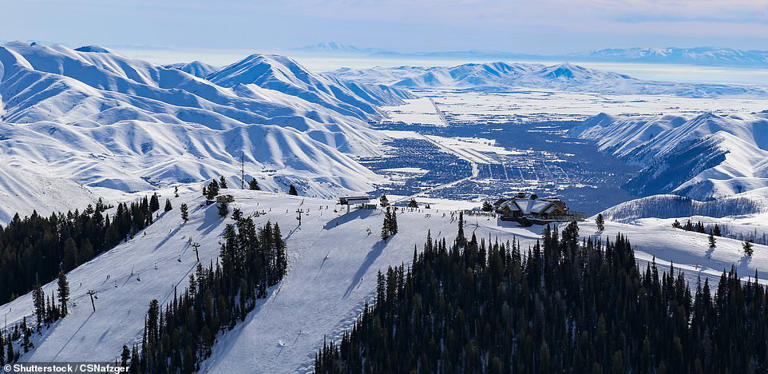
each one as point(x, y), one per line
point(284, 74)
point(672, 55)
point(196, 68)
point(708, 156)
point(332, 265)
point(92, 118)
point(334, 48)
point(672, 206)
point(561, 77)
point(710, 56)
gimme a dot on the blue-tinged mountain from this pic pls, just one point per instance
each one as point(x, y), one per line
point(672, 55)
point(196, 68)
point(704, 157)
point(284, 74)
point(500, 76)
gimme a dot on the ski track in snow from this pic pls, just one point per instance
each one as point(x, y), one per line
point(333, 262)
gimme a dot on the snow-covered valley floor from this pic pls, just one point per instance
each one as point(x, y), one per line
point(333, 261)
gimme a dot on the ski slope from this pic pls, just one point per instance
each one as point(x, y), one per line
point(333, 261)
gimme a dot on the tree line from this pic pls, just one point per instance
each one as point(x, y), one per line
point(17, 339)
point(178, 336)
point(567, 306)
point(33, 250)
point(714, 232)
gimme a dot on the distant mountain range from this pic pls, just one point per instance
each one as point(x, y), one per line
point(692, 56)
point(671, 55)
point(501, 76)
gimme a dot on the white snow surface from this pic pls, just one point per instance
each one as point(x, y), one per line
point(196, 68)
point(501, 76)
point(657, 142)
point(91, 118)
point(541, 105)
point(333, 262)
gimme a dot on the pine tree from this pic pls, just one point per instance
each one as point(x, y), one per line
point(292, 191)
point(213, 190)
point(63, 293)
point(281, 260)
point(176, 191)
point(168, 206)
point(222, 182)
point(712, 240)
point(254, 185)
point(717, 230)
point(413, 204)
point(460, 235)
point(677, 224)
point(385, 227)
point(223, 209)
point(70, 254)
point(600, 222)
point(10, 355)
point(184, 212)
point(237, 215)
point(688, 226)
point(38, 298)
point(748, 250)
point(384, 201)
point(487, 207)
point(154, 203)
point(125, 356)
point(393, 224)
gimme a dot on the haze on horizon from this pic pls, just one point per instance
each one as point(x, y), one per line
point(543, 27)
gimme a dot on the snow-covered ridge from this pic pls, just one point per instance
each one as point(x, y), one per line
point(562, 77)
point(673, 55)
point(90, 117)
point(708, 56)
point(674, 206)
point(284, 74)
point(704, 157)
point(196, 68)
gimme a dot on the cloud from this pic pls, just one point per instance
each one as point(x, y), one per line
point(526, 26)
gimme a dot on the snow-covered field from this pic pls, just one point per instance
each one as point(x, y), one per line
point(333, 261)
point(540, 105)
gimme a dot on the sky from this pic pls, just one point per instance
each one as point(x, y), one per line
point(535, 27)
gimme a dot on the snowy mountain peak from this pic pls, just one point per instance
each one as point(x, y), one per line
point(196, 68)
point(93, 49)
point(258, 69)
point(284, 74)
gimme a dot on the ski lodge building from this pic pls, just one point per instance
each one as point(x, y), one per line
point(529, 208)
point(362, 202)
